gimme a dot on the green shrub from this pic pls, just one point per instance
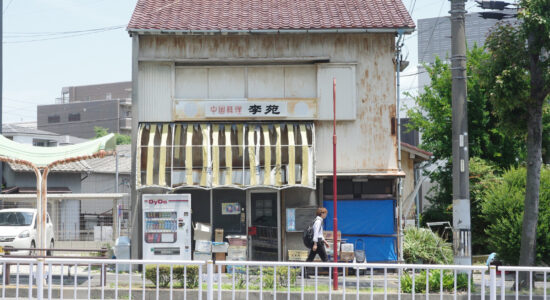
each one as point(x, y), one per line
point(421, 244)
point(503, 208)
point(268, 281)
point(178, 274)
point(282, 277)
point(434, 281)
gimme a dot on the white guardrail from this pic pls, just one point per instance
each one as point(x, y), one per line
point(78, 278)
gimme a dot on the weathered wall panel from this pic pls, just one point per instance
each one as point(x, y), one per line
point(266, 82)
point(155, 94)
point(365, 144)
point(191, 83)
point(228, 82)
point(345, 91)
point(300, 81)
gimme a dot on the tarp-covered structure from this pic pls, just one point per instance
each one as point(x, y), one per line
point(373, 221)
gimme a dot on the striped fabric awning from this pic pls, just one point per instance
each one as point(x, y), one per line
point(212, 155)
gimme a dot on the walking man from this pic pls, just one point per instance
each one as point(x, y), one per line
point(319, 241)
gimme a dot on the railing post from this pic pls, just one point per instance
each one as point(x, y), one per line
point(39, 279)
point(493, 283)
point(210, 280)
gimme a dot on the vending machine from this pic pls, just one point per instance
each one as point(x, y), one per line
point(167, 226)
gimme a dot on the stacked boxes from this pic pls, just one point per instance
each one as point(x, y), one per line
point(203, 245)
point(347, 253)
point(219, 247)
point(237, 250)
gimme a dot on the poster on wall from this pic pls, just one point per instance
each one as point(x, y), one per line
point(290, 219)
point(231, 208)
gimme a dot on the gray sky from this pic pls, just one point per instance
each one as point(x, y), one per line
point(49, 44)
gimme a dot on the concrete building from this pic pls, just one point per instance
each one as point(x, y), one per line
point(81, 108)
point(26, 133)
point(234, 105)
point(434, 39)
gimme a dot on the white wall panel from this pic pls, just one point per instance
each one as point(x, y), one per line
point(345, 91)
point(155, 94)
point(300, 82)
point(226, 82)
point(266, 82)
point(191, 83)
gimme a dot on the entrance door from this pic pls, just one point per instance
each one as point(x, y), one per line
point(263, 226)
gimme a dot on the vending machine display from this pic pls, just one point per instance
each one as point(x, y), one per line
point(167, 226)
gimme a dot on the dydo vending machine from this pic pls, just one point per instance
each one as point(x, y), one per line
point(167, 226)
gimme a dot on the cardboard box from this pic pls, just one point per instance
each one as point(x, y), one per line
point(220, 256)
point(203, 246)
point(297, 255)
point(237, 240)
point(329, 235)
point(236, 253)
point(202, 231)
point(347, 247)
point(202, 255)
point(218, 247)
point(218, 235)
point(330, 248)
point(346, 256)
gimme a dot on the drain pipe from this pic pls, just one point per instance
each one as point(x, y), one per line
point(398, 46)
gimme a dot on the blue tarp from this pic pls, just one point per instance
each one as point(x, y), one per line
point(367, 217)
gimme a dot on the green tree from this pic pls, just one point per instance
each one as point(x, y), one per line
point(121, 139)
point(519, 82)
point(432, 116)
point(502, 208)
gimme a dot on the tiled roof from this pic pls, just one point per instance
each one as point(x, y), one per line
point(107, 164)
point(250, 15)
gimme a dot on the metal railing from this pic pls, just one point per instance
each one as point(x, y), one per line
point(170, 279)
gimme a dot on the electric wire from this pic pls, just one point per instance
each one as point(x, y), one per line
point(62, 35)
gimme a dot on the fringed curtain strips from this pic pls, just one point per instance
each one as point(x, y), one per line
point(211, 155)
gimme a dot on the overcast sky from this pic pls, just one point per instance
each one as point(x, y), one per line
point(49, 44)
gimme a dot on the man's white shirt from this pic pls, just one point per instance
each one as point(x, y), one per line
point(318, 229)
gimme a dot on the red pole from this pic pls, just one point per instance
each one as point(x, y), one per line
point(334, 191)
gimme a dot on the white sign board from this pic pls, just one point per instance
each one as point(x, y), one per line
point(224, 109)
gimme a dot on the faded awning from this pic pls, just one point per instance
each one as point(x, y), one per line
point(211, 155)
point(43, 156)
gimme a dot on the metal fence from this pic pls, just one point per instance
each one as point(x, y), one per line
point(168, 279)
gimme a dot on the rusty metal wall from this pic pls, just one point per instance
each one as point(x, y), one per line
point(155, 83)
point(365, 144)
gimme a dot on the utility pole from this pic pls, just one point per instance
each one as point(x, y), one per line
point(462, 234)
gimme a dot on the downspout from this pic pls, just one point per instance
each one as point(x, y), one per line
point(398, 46)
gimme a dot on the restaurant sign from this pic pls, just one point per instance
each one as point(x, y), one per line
point(224, 109)
point(244, 109)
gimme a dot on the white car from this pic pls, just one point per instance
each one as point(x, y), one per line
point(18, 230)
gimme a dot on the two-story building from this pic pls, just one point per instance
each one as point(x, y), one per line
point(233, 103)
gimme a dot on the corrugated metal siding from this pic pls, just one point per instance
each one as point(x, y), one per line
point(155, 94)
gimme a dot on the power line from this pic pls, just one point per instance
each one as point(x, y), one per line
point(64, 35)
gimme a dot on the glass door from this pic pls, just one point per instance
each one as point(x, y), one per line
point(263, 226)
